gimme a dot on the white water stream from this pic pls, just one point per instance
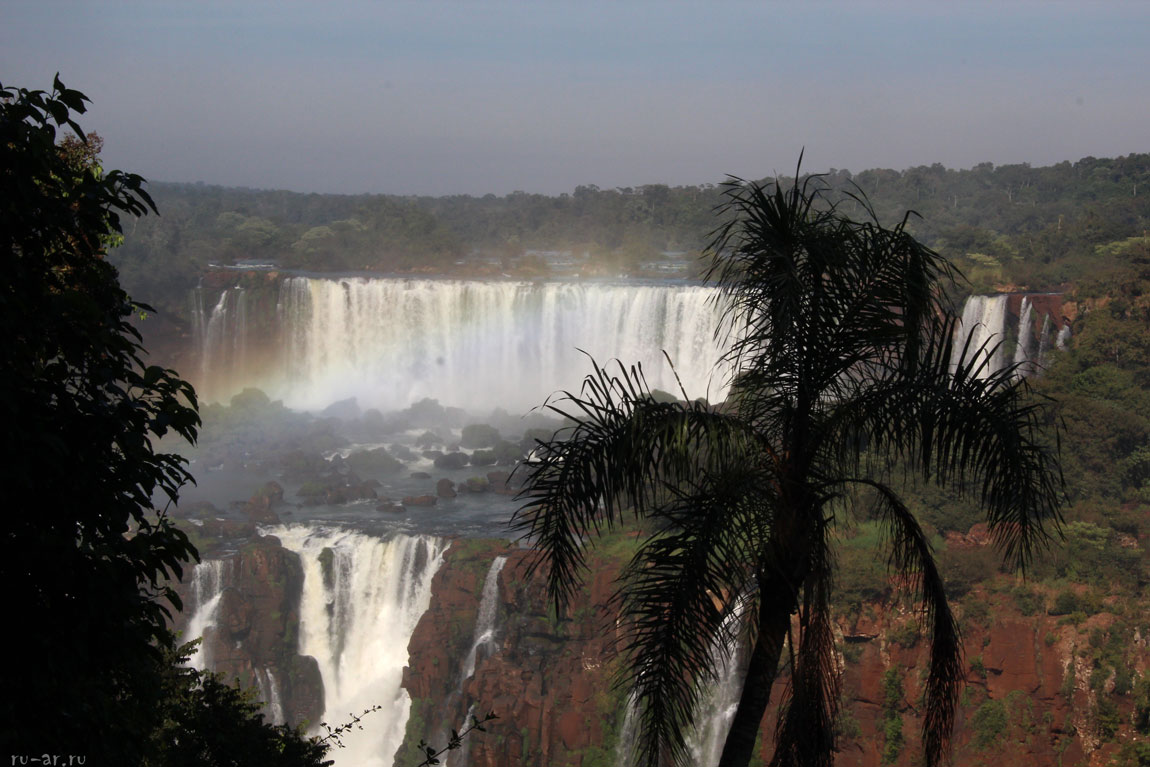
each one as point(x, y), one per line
point(472, 344)
point(484, 635)
point(362, 598)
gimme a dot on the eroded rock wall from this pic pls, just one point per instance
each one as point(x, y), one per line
point(255, 635)
point(1031, 695)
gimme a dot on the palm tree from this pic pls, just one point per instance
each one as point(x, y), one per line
point(841, 343)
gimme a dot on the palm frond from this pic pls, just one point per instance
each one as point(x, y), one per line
point(972, 429)
point(844, 364)
point(678, 596)
point(805, 731)
point(624, 452)
point(911, 554)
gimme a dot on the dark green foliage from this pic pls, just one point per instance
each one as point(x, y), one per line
point(1133, 755)
point(1142, 705)
point(892, 706)
point(86, 557)
point(1105, 717)
point(844, 347)
point(1027, 600)
point(89, 560)
point(204, 722)
point(1065, 602)
point(988, 724)
point(1013, 224)
point(906, 635)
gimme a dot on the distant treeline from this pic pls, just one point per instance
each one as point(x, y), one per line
point(1007, 225)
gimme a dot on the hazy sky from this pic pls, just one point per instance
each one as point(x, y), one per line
point(475, 97)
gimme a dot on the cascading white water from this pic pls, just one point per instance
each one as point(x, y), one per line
point(221, 336)
point(362, 598)
point(720, 701)
point(209, 579)
point(484, 635)
point(1024, 355)
point(1063, 338)
point(1045, 339)
point(269, 688)
point(461, 756)
point(715, 711)
point(983, 323)
point(472, 344)
point(625, 747)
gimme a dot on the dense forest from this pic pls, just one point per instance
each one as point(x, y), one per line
point(1081, 229)
point(1011, 225)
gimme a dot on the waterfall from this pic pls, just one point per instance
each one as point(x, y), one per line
point(717, 710)
point(714, 711)
point(1024, 355)
point(987, 320)
point(484, 635)
point(1063, 338)
point(461, 756)
point(983, 323)
point(221, 338)
point(625, 748)
point(209, 579)
point(362, 597)
point(270, 693)
point(472, 344)
point(719, 702)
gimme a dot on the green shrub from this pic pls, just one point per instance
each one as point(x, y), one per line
point(1133, 755)
point(1105, 717)
point(1027, 601)
point(905, 635)
point(988, 724)
point(1065, 603)
point(1123, 679)
point(892, 716)
point(1142, 705)
point(976, 610)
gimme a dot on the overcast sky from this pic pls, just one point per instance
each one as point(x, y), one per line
point(475, 97)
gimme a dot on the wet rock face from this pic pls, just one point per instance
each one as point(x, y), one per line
point(550, 680)
point(257, 629)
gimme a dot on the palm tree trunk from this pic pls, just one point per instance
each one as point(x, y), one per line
point(774, 620)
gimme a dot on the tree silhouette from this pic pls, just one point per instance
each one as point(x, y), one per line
point(841, 344)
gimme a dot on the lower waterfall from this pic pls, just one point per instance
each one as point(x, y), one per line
point(625, 747)
point(208, 582)
point(716, 712)
point(485, 619)
point(362, 597)
point(270, 693)
point(719, 701)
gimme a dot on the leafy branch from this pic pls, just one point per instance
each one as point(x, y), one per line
point(455, 742)
point(334, 734)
